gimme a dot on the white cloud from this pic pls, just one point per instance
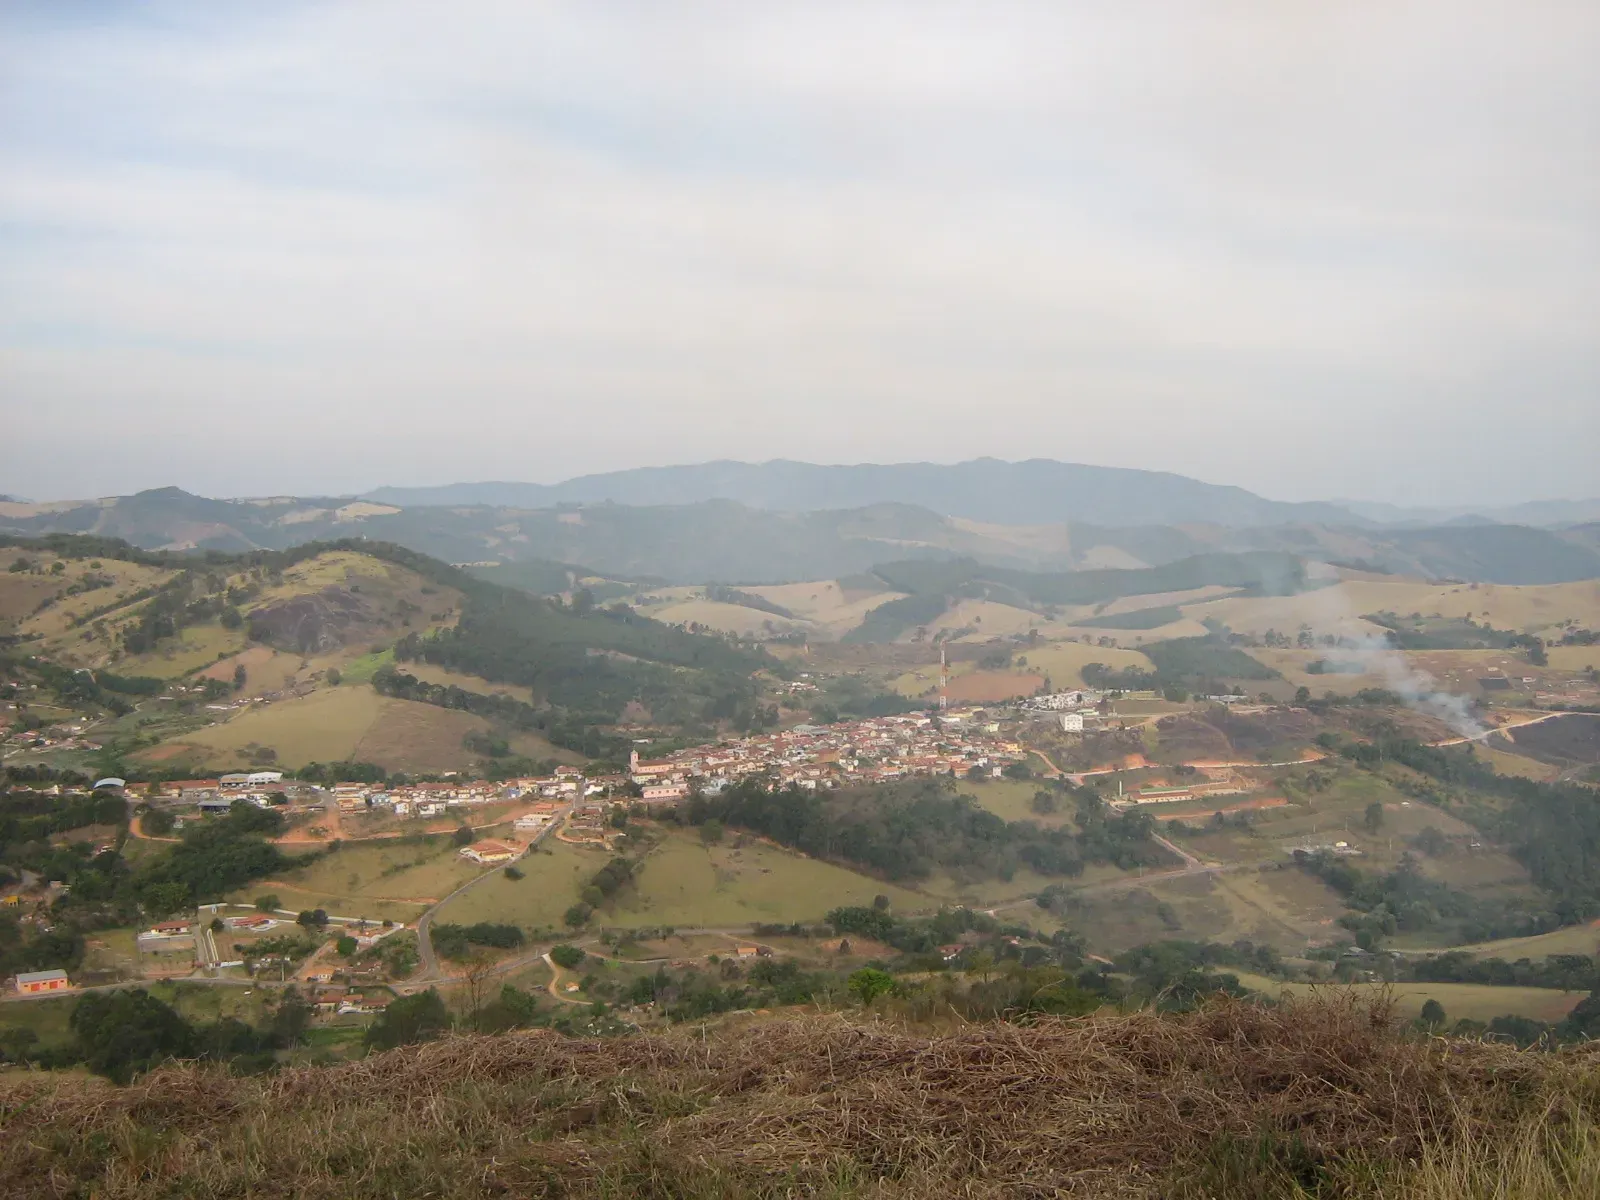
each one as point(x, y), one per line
point(1313, 250)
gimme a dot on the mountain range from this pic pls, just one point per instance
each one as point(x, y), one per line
point(1036, 492)
point(795, 521)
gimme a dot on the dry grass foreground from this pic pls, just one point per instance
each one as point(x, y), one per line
point(1312, 1098)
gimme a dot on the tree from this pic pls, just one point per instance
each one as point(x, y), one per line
point(463, 836)
point(268, 902)
point(867, 984)
point(1302, 695)
point(312, 918)
point(1018, 771)
point(124, 1033)
point(1433, 1015)
point(290, 1019)
point(345, 946)
point(334, 677)
point(238, 676)
point(409, 1020)
point(164, 899)
point(231, 617)
point(577, 916)
point(157, 822)
point(566, 956)
point(1372, 818)
point(1044, 803)
point(880, 902)
point(218, 925)
point(711, 832)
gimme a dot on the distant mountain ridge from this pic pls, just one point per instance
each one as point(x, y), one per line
point(1034, 492)
point(724, 541)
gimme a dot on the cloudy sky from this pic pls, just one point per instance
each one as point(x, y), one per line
point(1313, 249)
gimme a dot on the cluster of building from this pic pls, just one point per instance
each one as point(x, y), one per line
point(870, 750)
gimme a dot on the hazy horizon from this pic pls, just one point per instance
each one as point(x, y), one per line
point(313, 249)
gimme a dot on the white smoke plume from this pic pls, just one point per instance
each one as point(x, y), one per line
point(1371, 651)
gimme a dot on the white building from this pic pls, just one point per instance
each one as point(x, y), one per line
point(1072, 722)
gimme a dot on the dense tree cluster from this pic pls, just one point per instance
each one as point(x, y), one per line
point(456, 941)
point(1407, 901)
point(1553, 829)
point(911, 830)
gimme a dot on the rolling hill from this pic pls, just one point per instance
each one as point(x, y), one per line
point(277, 627)
point(1039, 491)
point(733, 542)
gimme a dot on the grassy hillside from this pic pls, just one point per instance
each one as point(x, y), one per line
point(1271, 1100)
point(291, 620)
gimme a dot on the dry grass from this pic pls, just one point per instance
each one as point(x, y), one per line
point(1236, 1100)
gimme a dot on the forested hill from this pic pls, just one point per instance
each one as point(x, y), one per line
point(1265, 573)
point(577, 656)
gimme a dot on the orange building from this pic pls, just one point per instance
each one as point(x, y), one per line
point(34, 983)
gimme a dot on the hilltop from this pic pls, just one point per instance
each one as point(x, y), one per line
point(1232, 1100)
point(291, 648)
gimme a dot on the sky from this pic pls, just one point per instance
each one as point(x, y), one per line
point(1311, 249)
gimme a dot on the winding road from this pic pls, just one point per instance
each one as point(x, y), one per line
point(427, 960)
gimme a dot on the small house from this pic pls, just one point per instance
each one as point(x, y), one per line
point(489, 853)
point(37, 983)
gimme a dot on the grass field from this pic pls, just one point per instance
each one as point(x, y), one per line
point(412, 736)
point(1332, 609)
point(1063, 662)
point(727, 618)
point(825, 603)
point(1476, 1002)
point(266, 670)
point(1011, 800)
point(681, 883)
point(325, 726)
point(195, 647)
point(362, 668)
point(390, 879)
point(1507, 763)
point(1574, 658)
point(1574, 939)
point(984, 687)
point(552, 876)
point(985, 619)
point(346, 723)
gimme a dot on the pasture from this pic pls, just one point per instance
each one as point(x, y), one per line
point(338, 724)
point(389, 878)
point(1473, 1001)
point(825, 603)
point(687, 884)
point(553, 874)
point(325, 726)
point(736, 619)
point(266, 670)
point(1063, 662)
point(1011, 800)
point(1573, 939)
point(1339, 608)
point(195, 647)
